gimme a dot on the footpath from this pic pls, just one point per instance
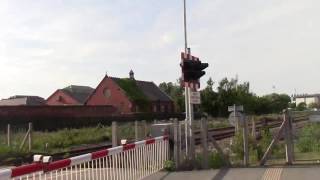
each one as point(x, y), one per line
point(267, 173)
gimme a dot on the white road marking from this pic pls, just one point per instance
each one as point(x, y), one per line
point(272, 174)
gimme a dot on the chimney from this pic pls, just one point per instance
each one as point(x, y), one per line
point(131, 74)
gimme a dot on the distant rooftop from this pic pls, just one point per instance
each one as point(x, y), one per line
point(305, 95)
point(22, 100)
point(80, 93)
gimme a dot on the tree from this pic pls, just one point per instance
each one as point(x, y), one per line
point(277, 102)
point(215, 102)
point(209, 99)
point(232, 92)
point(301, 106)
point(176, 92)
point(313, 106)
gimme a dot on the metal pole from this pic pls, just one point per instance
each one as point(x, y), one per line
point(191, 141)
point(185, 26)
point(189, 106)
point(186, 89)
point(234, 118)
point(186, 124)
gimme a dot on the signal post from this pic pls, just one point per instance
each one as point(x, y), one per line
point(192, 71)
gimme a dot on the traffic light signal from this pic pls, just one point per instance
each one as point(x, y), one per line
point(193, 70)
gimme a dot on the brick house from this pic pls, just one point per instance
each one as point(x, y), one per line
point(130, 95)
point(71, 95)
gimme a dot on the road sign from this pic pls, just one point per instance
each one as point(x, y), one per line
point(235, 108)
point(195, 97)
point(235, 117)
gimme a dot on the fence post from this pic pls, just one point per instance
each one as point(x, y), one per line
point(30, 136)
point(253, 128)
point(290, 122)
point(114, 134)
point(136, 130)
point(288, 138)
point(9, 135)
point(192, 145)
point(181, 140)
point(176, 143)
point(204, 142)
point(245, 142)
point(145, 130)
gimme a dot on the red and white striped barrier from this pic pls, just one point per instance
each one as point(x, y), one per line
point(131, 161)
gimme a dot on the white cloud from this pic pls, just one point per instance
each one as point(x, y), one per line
point(45, 45)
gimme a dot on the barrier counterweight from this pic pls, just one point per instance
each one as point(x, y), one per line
point(127, 162)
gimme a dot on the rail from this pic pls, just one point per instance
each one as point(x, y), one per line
point(228, 132)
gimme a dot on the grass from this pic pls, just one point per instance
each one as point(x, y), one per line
point(53, 142)
point(307, 156)
point(309, 138)
point(62, 140)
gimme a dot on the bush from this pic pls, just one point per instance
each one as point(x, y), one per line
point(237, 144)
point(216, 161)
point(169, 165)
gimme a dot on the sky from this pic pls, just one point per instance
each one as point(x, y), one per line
point(50, 44)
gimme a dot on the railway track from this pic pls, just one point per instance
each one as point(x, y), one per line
point(216, 133)
point(228, 132)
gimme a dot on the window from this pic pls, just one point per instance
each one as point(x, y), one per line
point(121, 106)
point(107, 93)
point(162, 108)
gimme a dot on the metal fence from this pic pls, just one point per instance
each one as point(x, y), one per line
point(267, 139)
point(131, 161)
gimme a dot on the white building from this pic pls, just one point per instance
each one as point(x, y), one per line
point(307, 98)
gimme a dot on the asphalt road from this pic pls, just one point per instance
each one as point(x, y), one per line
point(271, 173)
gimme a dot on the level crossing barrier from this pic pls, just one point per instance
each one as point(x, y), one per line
point(126, 162)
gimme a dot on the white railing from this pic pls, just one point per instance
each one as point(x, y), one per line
point(127, 162)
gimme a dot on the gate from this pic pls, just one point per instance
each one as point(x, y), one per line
point(297, 140)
